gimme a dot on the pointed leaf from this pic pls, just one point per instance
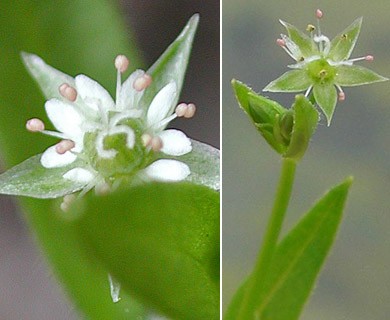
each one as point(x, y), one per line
point(263, 112)
point(326, 98)
point(305, 122)
point(300, 256)
point(48, 78)
point(30, 178)
point(204, 164)
point(342, 45)
point(303, 41)
point(172, 64)
point(161, 242)
point(298, 260)
point(350, 76)
point(291, 81)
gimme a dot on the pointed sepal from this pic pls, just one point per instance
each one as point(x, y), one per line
point(342, 45)
point(350, 76)
point(291, 81)
point(31, 179)
point(325, 95)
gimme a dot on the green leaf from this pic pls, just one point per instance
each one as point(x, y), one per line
point(291, 81)
point(172, 64)
point(48, 78)
point(350, 76)
point(305, 123)
point(79, 37)
point(204, 164)
point(342, 45)
point(161, 242)
point(30, 178)
point(303, 41)
point(325, 95)
point(298, 260)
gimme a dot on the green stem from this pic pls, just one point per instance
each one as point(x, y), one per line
point(259, 275)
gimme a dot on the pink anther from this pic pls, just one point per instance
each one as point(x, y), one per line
point(35, 125)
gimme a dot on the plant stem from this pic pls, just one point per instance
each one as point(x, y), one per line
point(259, 275)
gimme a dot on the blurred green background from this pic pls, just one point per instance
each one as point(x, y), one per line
point(355, 281)
point(72, 36)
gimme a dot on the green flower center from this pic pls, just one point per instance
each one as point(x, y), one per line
point(320, 71)
point(127, 161)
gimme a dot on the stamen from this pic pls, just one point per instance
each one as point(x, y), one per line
point(35, 125)
point(67, 201)
point(102, 188)
point(310, 28)
point(64, 146)
point(146, 139)
point(68, 92)
point(281, 42)
point(341, 94)
point(308, 91)
point(156, 144)
point(366, 58)
point(319, 14)
point(121, 63)
point(181, 109)
point(190, 112)
point(142, 82)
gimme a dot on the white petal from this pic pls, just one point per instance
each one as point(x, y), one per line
point(92, 92)
point(65, 118)
point(167, 170)
point(51, 159)
point(79, 175)
point(175, 142)
point(161, 105)
point(128, 96)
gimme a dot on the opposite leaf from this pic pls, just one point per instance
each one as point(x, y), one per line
point(297, 261)
point(161, 242)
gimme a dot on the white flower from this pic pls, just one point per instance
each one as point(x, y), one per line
point(88, 115)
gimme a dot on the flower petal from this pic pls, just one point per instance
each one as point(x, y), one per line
point(161, 104)
point(167, 170)
point(326, 98)
point(51, 159)
point(80, 175)
point(128, 96)
point(175, 142)
point(291, 81)
point(65, 118)
point(350, 76)
point(92, 93)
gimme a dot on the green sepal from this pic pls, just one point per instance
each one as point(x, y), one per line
point(291, 81)
point(160, 241)
point(31, 179)
point(297, 261)
point(204, 163)
point(305, 119)
point(342, 45)
point(48, 78)
point(354, 75)
point(325, 95)
point(172, 64)
point(304, 42)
